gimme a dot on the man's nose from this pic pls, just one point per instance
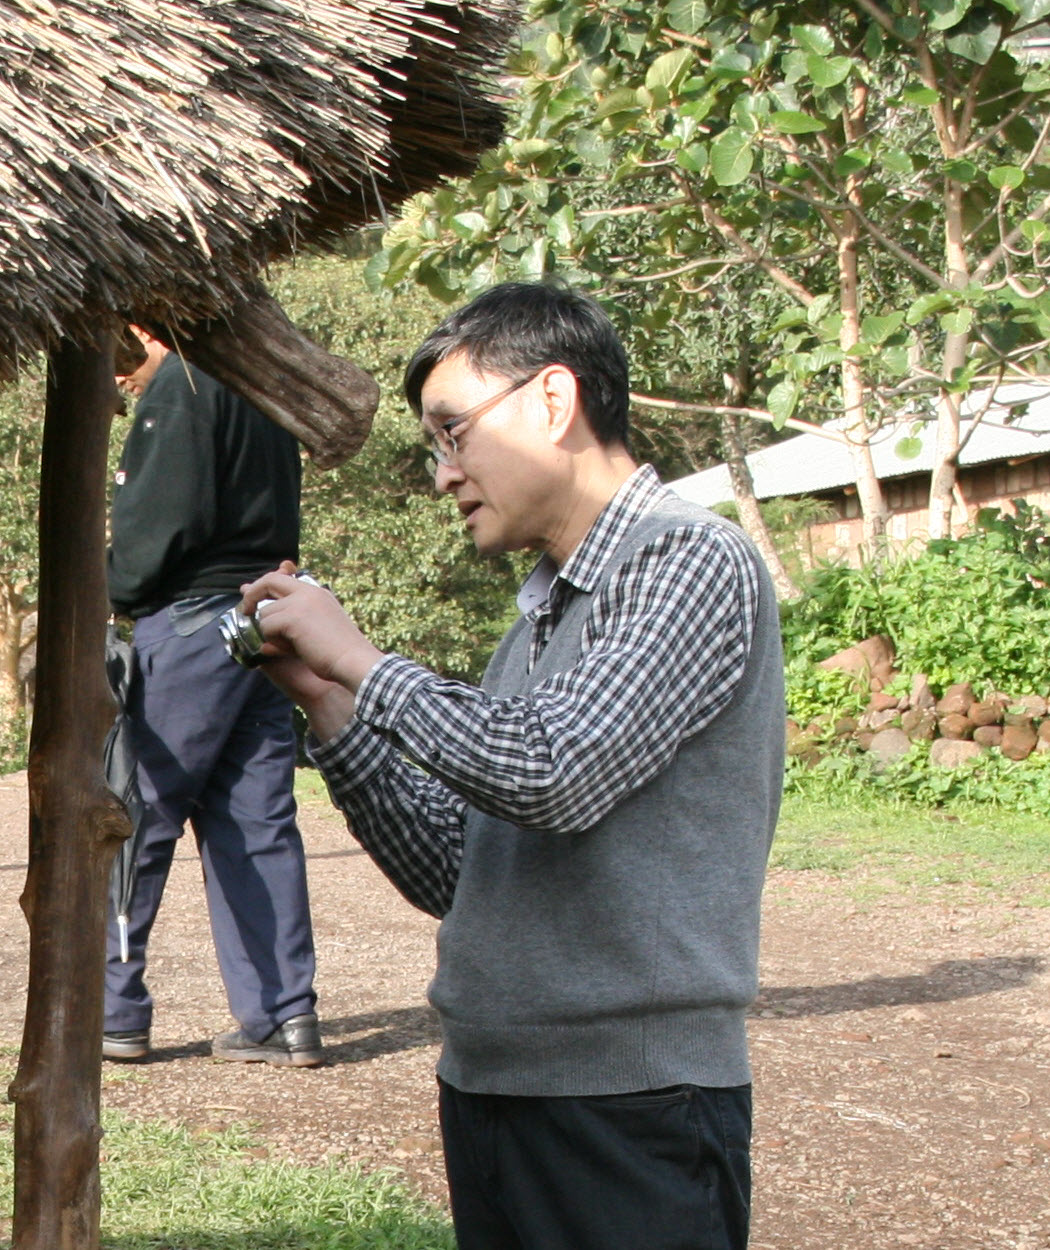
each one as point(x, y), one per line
point(446, 477)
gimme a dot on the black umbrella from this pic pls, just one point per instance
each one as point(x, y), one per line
point(119, 767)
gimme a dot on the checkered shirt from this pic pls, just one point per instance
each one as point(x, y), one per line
point(669, 633)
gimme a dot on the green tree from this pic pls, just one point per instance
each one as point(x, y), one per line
point(861, 186)
point(21, 429)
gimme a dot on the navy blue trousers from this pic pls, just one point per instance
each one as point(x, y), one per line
point(659, 1170)
point(216, 749)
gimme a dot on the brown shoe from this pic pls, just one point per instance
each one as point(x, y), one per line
point(294, 1044)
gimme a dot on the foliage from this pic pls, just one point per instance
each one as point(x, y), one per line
point(820, 695)
point(989, 779)
point(789, 523)
point(165, 1185)
point(859, 192)
point(21, 432)
point(968, 609)
point(398, 557)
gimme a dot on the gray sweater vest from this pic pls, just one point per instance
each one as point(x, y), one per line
point(622, 957)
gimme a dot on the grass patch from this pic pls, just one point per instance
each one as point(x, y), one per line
point(310, 787)
point(166, 1188)
point(910, 845)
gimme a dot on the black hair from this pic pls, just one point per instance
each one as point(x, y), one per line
point(517, 328)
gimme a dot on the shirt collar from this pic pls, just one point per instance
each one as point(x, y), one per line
point(637, 496)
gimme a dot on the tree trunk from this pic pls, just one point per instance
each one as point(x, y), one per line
point(956, 343)
point(738, 388)
point(751, 517)
point(869, 488)
point(74, 823)
point(324, 400)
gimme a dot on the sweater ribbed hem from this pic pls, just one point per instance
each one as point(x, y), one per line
point(704, 1047)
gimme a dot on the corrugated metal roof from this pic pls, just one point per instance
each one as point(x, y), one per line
point(1016, 424)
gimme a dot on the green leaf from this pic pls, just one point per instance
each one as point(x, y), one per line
point(667, 70)
point(622, 100)
point(957, 322)
point(921, 96)
point(782, 401)
point(792, 122)
point(897, 161)
point(878, 329)
point(977, 41)
point(926, 305)
point(532, 264)
point(1032, 10)
point(908, 448)
point(687, 16)
point(693, 159)
point(469, 225)
point(946, 13)
point(730, 63)
point(732, 157)
point(813, 39)
point(1008, 176)
point(851, 162)
point(828, 71)
point(960, 170)
point(561, 226)
point(1034, 230)
point(819, 308)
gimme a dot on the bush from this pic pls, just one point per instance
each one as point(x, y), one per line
point(973, 609)
point(968, 609)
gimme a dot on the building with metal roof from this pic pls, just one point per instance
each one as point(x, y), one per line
point(1005, 454)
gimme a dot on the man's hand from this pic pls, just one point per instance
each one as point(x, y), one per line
point(314, 651)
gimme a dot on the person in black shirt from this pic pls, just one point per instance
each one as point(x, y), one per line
point(207, 496)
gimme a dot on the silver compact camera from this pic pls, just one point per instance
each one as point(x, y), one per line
point(242, 634)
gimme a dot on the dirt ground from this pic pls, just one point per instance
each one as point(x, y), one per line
point(901, 1048)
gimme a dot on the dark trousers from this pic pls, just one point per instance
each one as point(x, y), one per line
point(216, 749)
point(660, 1170)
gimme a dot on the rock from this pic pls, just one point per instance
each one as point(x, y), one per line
point(1018, 741)
point(919, 723)
point(986, 712)
point(882, 702)
point(1034, 704)
point(871, 661)
point(1017, 714)
point(955, 725)
point(988, 735)
point(956, 699)
point(921, 694)
point(878, 720)
point(952, 752)
point(888, 745)
point(845, 727)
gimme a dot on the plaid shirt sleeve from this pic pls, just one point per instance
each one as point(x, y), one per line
point(410, 824)
point(664, 647)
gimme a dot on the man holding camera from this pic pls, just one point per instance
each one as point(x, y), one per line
point(592, 823)
point(207, 495)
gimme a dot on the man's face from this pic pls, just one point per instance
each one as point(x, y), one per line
point(502, 472)
point(135, 382)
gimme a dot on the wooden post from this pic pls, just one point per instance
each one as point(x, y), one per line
point(74, 822)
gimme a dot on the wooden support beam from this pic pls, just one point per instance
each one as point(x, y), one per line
point(75, 824)
point(326, 401)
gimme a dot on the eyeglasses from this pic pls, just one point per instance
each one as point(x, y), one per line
point(444, 445)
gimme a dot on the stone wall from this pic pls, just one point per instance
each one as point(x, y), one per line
point(958, 726)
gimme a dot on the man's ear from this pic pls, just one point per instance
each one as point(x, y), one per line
point(561, 394)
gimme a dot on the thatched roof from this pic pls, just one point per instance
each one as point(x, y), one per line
point(156, 154)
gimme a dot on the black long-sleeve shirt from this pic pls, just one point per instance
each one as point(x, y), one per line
point(207, 494)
